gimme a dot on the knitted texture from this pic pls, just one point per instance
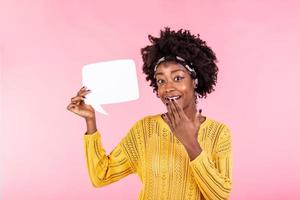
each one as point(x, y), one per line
point(154, 153)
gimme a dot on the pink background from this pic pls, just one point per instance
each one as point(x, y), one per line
point(44, 44)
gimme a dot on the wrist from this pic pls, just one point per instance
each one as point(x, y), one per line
point(91, 125)
point(193, 149)
point(192, 145)
point(90, 119)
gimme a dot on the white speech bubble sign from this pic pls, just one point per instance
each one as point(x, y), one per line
point(110, 82)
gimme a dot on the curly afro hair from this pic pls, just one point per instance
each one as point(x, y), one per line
point(187, 46)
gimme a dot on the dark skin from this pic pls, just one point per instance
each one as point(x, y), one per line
point(182, 117)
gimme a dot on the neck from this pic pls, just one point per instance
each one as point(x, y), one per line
point(190, 111)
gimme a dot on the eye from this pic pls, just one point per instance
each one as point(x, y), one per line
point(159, 81)
point(178, 78)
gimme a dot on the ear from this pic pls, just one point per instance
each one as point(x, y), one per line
point(195, 83)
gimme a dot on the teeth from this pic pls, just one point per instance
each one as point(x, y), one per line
point(174, 97)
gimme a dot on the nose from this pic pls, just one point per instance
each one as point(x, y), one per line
point(169, 87)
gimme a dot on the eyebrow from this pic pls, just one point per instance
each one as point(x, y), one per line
point(176, 70)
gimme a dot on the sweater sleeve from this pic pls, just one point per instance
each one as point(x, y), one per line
point(213, 176)
point(104, 169)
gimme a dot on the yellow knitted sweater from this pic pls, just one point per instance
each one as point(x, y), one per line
point(160, 160)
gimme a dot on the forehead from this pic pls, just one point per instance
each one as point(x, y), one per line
point(169, 67)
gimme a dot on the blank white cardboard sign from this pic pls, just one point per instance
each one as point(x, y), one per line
point(110, 82)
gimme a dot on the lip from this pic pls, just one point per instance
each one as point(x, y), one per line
point(169, 97)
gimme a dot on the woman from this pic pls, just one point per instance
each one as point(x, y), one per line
point(179, 154)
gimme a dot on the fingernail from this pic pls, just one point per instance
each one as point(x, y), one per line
point(83, 96)
point(167, 103)
point(200, 110)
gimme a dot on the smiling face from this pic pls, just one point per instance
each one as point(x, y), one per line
point(174, 81)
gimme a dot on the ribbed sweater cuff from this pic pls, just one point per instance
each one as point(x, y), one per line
point(92, 136)
point(201, 158)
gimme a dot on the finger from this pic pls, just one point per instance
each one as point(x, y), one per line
point(175, 111)
point(71, 107)
point(179, 110)
point(82, 90)
point(74, 109)
point(77, 99)
point(170, 113)
point(85, 92)
point(167, 119)
point(80, 97)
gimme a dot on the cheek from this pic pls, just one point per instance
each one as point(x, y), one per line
point(185, 89)
point(159, 92)
point(188, 92)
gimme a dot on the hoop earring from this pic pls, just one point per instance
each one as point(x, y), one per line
point(196, 83)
